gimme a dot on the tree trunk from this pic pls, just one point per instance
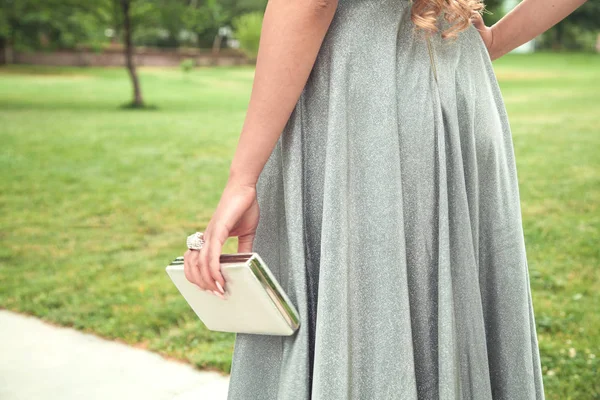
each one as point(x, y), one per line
point(558, 37)
point(3, 48)
point(137, 92)
point(215, 49)
point(7, 50)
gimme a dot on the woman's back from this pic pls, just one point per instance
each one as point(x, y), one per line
point(390, 214)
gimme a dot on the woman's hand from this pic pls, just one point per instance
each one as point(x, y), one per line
point(523, 23)
point(237, 214)
point(486, 32)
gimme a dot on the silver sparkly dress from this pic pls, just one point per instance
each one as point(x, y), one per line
point(390, 214)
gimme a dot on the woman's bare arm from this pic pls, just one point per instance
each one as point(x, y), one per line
point(526, 21)
point(291, 36)
point(292, 33)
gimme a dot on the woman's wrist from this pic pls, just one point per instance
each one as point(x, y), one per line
point(242, 177)
point(494, 49)
point(499, 43)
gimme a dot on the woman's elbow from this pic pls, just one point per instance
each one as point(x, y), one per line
point(323, 4)
point(322, 8)
point(315, 7)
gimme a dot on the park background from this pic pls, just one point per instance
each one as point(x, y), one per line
point(101, 183)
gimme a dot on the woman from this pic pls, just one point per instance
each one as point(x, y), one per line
point(382, 163)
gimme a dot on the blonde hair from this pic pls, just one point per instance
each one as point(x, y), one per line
point(457, 13)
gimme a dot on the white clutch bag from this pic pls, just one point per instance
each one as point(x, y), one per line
point(255, 302)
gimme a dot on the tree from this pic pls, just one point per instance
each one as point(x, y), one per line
point(126, 16)
point(138, 101)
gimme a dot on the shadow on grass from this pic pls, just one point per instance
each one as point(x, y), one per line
point(134, 106)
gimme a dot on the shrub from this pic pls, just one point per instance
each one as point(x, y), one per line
point(187, 65)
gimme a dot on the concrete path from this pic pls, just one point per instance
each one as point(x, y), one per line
point(41, 361)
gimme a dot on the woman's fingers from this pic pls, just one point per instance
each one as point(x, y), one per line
point(214, 266)
point(196, 273)
point(192, 273)
point(187, 269)
point(484, 31)
point(237, 214)
point(477, 20)
point(204, 266)
point(213, 253)
point(197, 277)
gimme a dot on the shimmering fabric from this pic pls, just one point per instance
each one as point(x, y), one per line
point(390, 214)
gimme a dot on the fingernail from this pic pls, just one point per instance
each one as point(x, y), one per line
point(220, 287)
point(218, 294)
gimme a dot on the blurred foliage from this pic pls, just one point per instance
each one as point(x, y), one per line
point(51, 24)
point(180, 23)
point(493, 11)
point(229, 10)
point(578, 31)
point(187, 65)
point(247, 30)
point(568, 37)
point(193, 23)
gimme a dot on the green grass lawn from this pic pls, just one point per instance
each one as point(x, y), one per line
point(97, 200)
